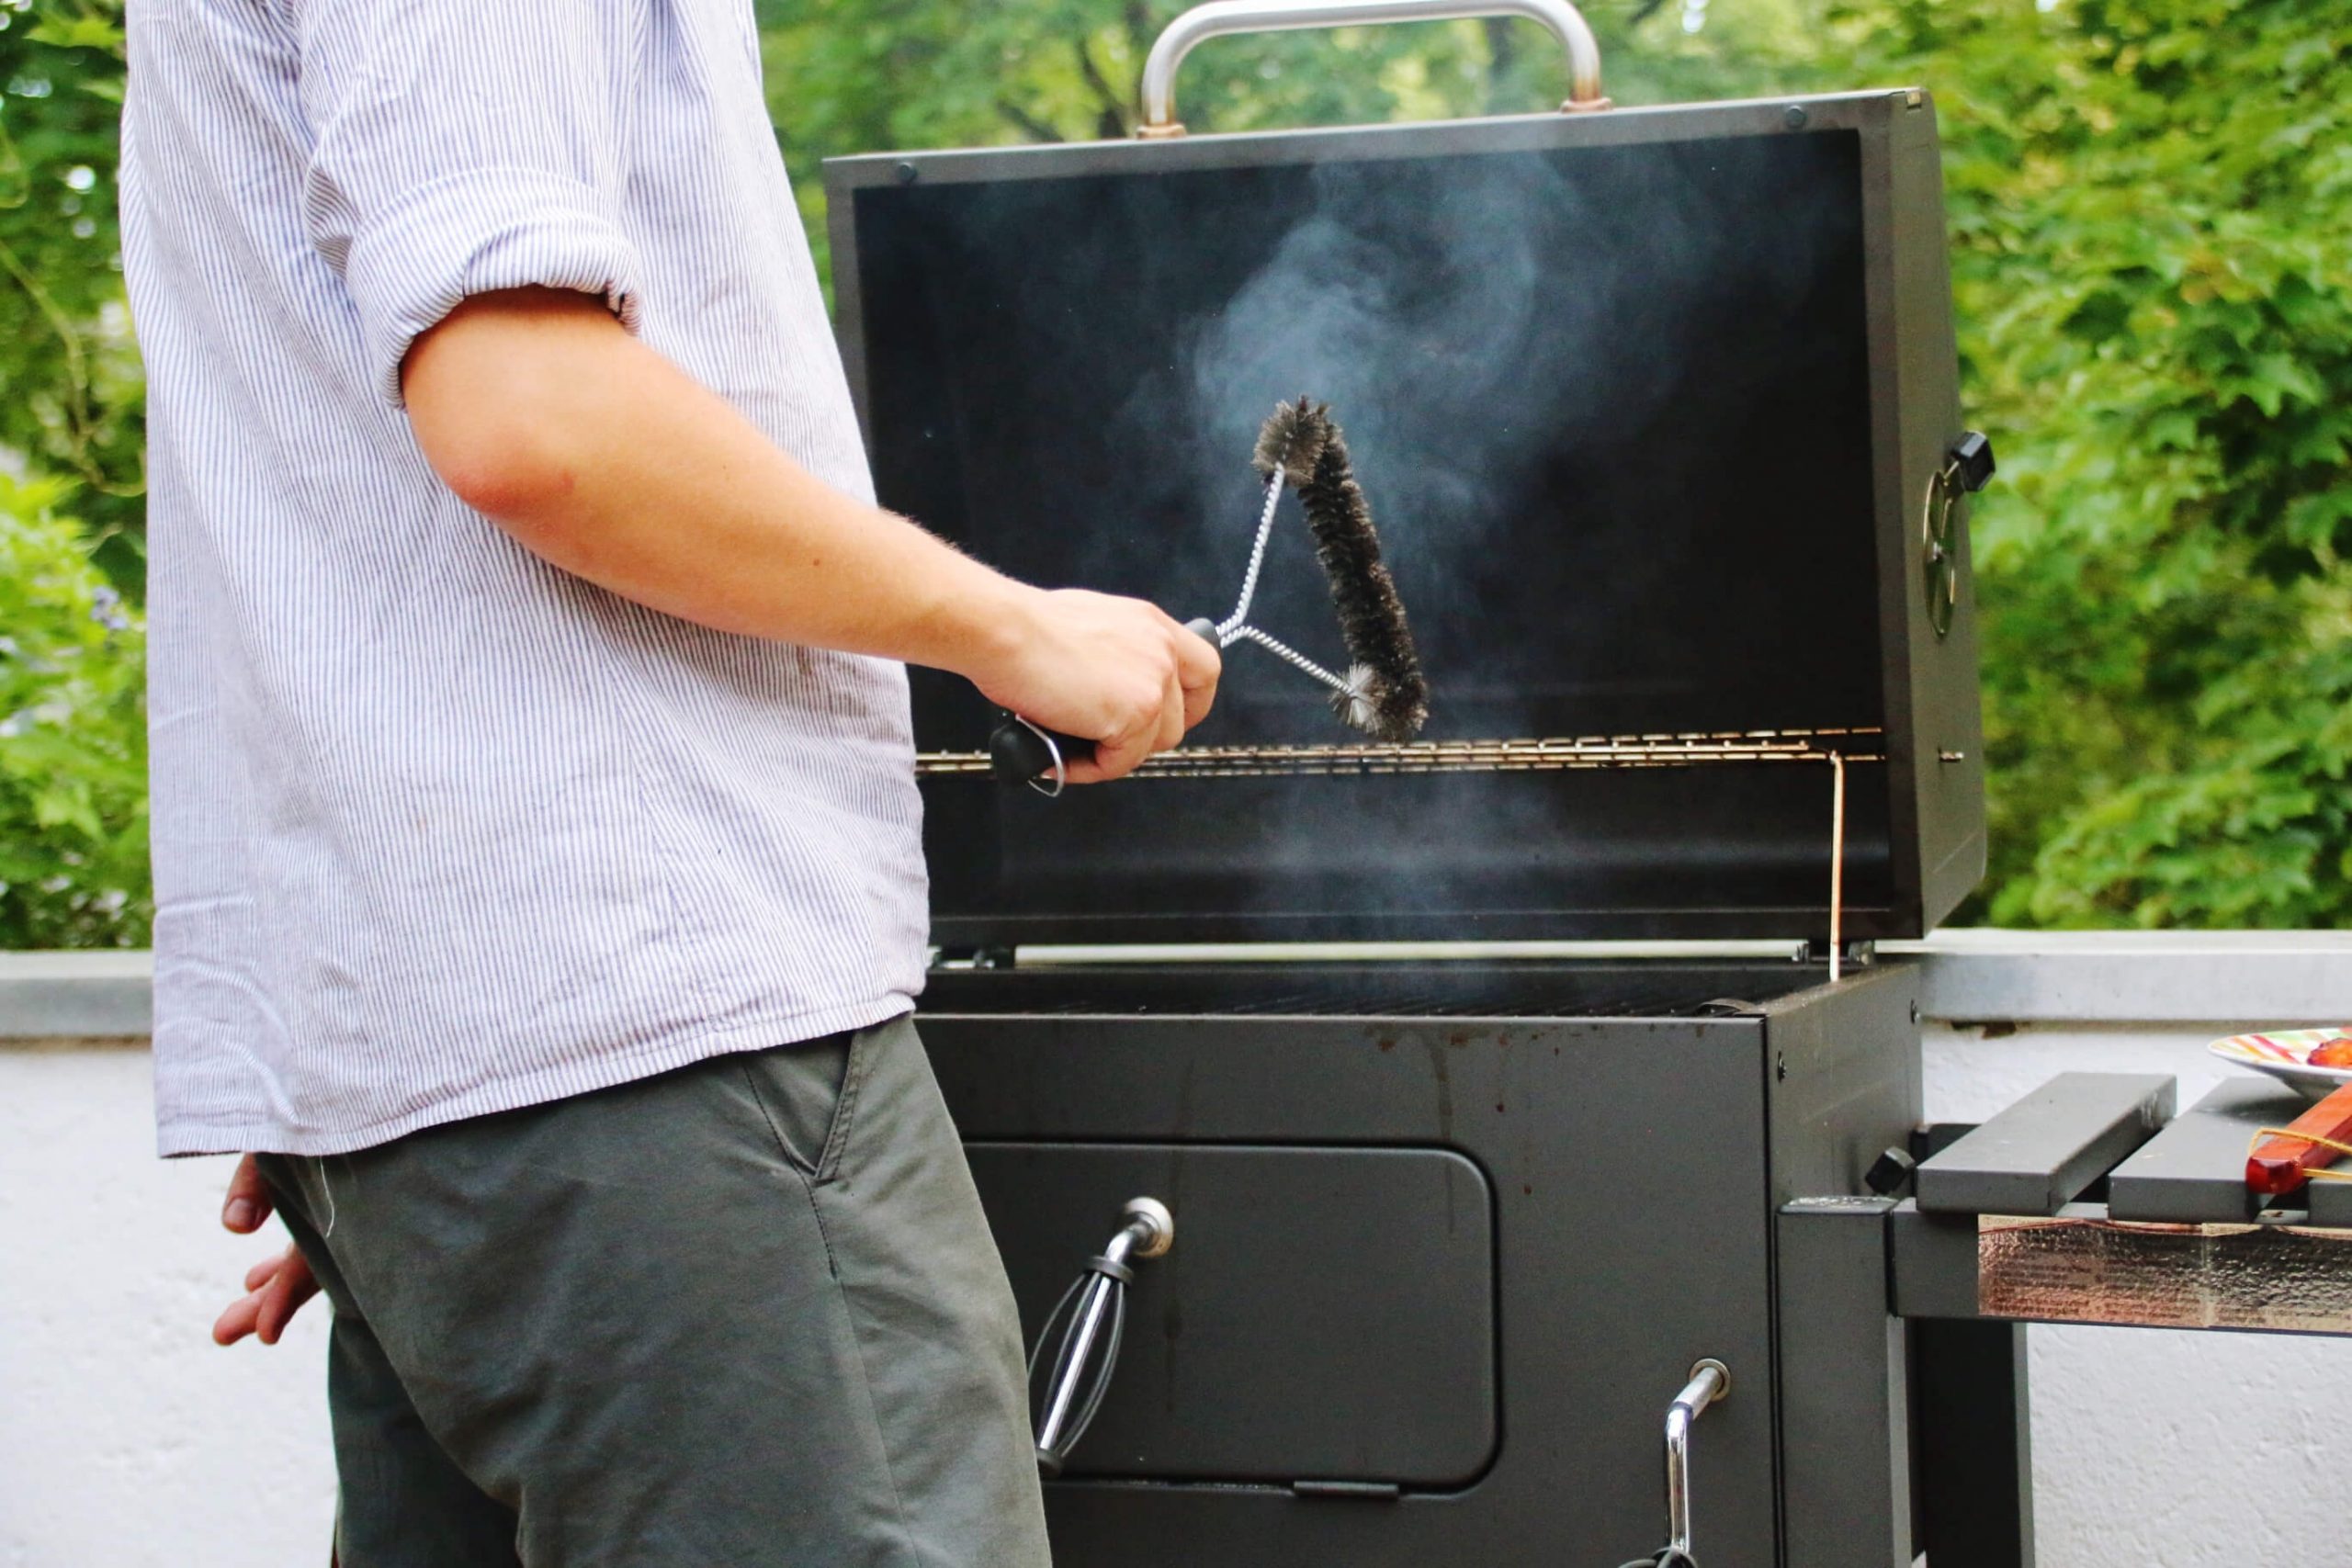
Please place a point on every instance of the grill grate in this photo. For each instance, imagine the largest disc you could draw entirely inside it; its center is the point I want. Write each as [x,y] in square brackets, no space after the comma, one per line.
[1554,755]
[1304,1005]
[1364,993]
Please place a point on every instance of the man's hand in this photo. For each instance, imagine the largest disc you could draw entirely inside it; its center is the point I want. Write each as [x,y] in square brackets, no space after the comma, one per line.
[276,1287]
[1119,673]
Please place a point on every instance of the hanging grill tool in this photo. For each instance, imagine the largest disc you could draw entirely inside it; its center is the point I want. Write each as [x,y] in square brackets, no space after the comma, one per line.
[1382,693]
[1081,1376]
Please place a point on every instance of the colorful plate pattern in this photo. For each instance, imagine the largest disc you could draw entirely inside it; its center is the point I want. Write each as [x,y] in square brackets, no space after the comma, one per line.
[2283,1054]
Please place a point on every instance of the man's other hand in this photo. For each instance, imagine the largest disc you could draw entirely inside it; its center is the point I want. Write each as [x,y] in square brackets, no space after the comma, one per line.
[277,1287]
[1119,673]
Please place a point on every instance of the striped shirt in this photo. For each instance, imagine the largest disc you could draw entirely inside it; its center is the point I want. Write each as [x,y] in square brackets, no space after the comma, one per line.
[438,828]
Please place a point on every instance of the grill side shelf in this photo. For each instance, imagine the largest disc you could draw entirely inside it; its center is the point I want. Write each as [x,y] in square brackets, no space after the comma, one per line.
[2042,1153]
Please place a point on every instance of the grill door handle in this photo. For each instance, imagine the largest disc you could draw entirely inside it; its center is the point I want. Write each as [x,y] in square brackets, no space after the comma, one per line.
[1225,18]
[1089,1352]
[1709,1380]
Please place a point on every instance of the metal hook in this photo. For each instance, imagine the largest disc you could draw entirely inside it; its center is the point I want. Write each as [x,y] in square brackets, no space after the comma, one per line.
[1053,750]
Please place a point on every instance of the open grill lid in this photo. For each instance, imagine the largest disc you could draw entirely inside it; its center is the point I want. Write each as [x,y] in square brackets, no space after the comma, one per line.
[1652,407]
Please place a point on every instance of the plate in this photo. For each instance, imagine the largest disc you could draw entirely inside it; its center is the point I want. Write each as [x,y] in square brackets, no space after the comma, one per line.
[2281,1053]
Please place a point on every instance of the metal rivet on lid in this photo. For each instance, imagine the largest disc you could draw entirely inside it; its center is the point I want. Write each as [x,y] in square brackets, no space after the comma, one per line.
[1795,117]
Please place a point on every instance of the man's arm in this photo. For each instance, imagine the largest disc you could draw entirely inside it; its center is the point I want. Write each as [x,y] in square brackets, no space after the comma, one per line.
[543,413]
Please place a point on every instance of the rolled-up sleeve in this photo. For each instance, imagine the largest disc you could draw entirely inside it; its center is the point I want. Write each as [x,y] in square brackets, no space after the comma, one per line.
[461,146]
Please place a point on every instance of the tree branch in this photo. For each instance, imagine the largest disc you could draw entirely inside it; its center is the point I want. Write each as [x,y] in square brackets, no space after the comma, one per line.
[1502,53]
[1029,125]
[1113,122]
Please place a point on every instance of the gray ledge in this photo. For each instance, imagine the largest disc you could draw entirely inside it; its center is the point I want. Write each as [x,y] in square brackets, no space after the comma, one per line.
[57,996]
[2237,978]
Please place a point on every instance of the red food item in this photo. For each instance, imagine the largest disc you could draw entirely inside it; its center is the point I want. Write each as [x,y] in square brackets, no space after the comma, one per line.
[2281,1164]
[2336,1053]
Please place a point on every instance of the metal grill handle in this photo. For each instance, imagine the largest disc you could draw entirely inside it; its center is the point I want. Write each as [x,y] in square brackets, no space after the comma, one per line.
[1224,18]
[1709,1380]
[1090,1346]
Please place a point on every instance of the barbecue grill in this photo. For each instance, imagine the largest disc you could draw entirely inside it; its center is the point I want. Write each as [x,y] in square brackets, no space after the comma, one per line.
[1477,1251]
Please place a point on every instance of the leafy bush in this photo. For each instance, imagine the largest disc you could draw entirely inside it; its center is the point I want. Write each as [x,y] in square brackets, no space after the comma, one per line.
[74,397]
[73,737]
[2149,208]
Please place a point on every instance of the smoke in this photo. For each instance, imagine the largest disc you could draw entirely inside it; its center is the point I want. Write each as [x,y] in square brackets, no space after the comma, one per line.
[1468,320]
[1409,328]
[1494,334]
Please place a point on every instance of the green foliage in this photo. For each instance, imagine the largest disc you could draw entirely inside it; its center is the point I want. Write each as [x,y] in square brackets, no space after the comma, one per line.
[73,738]
[2149,200]
[71,391]
[2150,203]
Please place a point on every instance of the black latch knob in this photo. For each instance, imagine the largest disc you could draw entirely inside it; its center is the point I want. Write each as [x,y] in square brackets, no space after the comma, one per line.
[1972,460]
[1890,1175]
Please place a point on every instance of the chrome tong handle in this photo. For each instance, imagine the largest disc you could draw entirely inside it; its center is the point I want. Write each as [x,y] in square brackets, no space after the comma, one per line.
[1221,18]
[1072,1395]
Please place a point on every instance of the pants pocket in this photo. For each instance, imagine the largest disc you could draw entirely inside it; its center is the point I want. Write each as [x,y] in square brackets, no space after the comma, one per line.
[809,1094]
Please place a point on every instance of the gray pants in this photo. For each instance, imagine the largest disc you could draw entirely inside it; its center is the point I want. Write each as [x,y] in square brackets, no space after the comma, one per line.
[745,1312]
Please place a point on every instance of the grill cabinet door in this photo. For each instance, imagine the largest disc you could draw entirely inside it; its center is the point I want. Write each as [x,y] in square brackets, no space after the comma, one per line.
[1326,1313]
[1619,1200]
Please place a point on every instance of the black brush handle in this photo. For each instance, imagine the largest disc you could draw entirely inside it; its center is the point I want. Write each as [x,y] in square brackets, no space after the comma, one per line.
[1017,751]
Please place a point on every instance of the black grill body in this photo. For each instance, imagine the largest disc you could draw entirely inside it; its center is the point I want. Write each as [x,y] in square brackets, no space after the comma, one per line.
[1651,405]
[1444,1254]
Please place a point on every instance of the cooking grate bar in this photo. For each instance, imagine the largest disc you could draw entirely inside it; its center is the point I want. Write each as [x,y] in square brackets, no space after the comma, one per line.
[1557,753]
[1373,1002]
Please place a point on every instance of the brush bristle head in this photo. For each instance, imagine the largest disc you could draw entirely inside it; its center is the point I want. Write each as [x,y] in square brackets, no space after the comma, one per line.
[1391,698]
[1384,712]
[1292,440]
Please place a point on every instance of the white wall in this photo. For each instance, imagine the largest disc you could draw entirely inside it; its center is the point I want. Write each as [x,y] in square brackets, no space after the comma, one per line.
[129,1441]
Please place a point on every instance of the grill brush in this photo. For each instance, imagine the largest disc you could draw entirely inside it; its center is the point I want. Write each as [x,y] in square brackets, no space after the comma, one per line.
[1383,692]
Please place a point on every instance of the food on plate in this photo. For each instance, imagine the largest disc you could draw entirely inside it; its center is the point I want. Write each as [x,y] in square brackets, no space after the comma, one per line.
[2336,1053]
